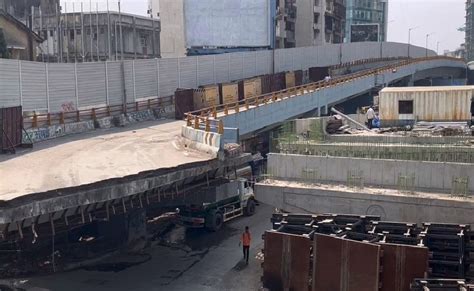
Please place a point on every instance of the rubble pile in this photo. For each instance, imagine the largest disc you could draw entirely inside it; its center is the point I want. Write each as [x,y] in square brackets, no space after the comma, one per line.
[232,150]
[335,125]
[443,128]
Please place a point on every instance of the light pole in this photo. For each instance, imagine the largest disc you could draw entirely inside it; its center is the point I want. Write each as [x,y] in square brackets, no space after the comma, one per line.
[409,38]
[427,37]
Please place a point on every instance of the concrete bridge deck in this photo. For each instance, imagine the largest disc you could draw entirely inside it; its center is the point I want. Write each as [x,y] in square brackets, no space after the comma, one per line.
[263,111]
[87,158]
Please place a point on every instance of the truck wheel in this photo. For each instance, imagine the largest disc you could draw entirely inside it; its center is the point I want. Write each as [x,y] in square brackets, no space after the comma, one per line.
[250,208]
[217,220]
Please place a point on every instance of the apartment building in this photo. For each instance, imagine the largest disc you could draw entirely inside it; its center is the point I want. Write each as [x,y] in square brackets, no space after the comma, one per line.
[366,20]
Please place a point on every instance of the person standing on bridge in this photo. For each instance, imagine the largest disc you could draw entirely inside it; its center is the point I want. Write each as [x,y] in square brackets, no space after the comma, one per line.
[370,117]
[245,241]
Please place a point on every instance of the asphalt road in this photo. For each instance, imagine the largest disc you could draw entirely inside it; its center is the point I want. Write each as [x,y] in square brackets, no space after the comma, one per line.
[207,261]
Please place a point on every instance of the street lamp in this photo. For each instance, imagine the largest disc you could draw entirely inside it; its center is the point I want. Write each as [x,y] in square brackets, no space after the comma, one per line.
[409,38]
[428,36]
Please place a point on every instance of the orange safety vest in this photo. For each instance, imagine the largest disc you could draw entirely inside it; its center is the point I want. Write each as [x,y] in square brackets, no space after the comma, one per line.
[246,239]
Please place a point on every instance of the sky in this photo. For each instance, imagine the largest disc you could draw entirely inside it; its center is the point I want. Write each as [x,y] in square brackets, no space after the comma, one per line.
[440,17]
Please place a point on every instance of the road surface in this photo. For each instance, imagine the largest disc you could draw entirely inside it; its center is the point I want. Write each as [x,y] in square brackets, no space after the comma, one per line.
[210,261]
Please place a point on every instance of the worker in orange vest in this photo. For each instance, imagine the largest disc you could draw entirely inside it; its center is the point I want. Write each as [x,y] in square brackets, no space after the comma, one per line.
[245,240]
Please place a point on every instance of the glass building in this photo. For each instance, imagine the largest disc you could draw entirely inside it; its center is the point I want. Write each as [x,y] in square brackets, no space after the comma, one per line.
[366,14]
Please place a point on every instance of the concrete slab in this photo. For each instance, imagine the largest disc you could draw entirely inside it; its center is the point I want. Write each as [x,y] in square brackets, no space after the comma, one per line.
[87,158]
[390,204]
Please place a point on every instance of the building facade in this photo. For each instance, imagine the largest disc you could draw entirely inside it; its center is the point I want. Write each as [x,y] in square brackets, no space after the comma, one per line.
[310,22]
[154,8]
[22,9]
[100,36]
[21,42]
[469,30]
[285,23]
[363,16]
[207,26]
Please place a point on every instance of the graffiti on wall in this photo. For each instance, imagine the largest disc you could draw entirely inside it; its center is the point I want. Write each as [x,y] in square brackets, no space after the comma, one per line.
[78,127]
[140,116]
[43,133]
[68,107]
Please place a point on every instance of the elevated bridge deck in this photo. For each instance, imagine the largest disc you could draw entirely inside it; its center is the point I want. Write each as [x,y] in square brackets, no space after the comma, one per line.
[256,113]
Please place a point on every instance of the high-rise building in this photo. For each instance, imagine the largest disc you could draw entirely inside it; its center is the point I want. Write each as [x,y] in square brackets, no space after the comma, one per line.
[154,8]
[366,20]
[285,19]
[470,30]
[319,22]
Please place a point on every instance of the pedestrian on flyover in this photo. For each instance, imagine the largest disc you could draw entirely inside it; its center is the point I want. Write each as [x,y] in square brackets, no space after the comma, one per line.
[245,241]
[370,117]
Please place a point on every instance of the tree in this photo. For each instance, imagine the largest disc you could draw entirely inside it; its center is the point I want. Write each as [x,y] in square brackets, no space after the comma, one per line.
[3,46]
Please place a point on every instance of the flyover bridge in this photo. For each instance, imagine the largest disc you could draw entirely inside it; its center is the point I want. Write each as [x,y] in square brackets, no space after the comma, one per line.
[92,176]
[234,120]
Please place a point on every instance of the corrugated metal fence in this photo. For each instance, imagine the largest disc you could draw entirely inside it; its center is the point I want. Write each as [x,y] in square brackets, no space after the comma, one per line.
[51,87]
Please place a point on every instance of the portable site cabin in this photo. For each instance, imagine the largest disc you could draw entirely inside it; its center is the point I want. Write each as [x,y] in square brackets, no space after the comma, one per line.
[405,105]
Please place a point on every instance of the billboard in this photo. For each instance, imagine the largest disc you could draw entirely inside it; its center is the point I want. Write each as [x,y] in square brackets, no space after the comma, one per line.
[227,23]
[365,32]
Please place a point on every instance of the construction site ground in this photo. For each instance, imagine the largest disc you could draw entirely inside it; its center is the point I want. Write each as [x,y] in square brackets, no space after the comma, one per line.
[205,261]
[95,156]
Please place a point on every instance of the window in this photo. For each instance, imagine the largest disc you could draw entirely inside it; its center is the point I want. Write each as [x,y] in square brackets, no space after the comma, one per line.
[102,30]
[316,18]
[405,107]
[143,40]
[51,32]
[78,31]
[71,34]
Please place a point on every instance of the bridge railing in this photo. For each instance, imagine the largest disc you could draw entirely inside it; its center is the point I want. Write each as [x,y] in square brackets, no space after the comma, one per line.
[208,118]
[47,119]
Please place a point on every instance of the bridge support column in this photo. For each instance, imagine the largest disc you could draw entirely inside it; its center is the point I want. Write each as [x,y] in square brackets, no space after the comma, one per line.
[411,81]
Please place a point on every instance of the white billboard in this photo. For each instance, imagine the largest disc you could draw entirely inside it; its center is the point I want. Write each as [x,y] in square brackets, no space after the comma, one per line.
[227,23]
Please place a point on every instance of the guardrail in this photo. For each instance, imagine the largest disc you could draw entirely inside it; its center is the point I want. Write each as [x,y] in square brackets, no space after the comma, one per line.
[208,118]
[366,61]
[48,119]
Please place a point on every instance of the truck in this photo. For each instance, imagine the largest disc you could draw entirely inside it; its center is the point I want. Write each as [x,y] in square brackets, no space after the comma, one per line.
[223,200]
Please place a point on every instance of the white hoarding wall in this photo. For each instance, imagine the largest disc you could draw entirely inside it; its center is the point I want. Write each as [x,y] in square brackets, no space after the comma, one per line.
[44,87]
[227,23]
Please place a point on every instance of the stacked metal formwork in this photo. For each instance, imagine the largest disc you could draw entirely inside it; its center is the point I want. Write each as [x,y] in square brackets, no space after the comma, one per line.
[447,242]
[440,285]
[324,248]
